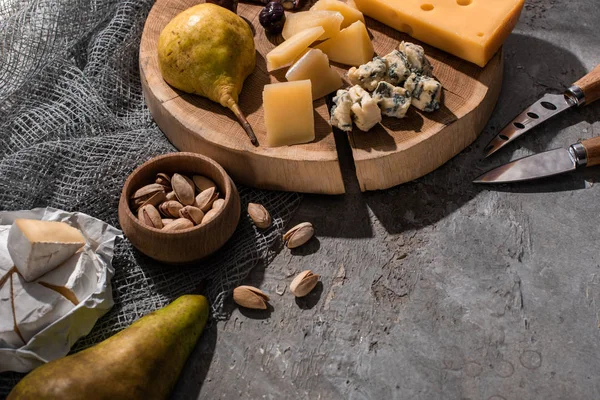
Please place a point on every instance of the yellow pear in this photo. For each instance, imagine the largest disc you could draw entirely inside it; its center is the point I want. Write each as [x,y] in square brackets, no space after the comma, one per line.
[141,362]
[209,50]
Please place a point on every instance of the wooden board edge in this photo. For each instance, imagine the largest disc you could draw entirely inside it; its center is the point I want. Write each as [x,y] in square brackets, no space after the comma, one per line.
[468,128]
[248,168]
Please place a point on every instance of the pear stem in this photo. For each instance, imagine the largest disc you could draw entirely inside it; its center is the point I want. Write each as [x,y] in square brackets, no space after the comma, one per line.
[242,119]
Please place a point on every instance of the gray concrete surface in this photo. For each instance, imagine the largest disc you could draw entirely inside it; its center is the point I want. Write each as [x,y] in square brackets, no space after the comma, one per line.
[441,289]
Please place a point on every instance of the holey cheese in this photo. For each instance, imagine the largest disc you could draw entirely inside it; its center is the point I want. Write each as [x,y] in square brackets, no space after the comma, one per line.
[36,247]
[470,29]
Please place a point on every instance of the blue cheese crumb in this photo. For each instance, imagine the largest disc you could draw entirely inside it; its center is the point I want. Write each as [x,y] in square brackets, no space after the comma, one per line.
[368,75]
[416,58]
[398,67]
[393,101]
[365,112]
[425,92]
[341,111]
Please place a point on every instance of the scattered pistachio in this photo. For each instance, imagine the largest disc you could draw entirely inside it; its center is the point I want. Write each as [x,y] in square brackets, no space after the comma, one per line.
[250,297]
[178,224]
[202,183]
[192,213]
[206,198]
[218,203]
[148,215]
[259,215]
[183,188]
[298,235]
[304,283]
[170,208]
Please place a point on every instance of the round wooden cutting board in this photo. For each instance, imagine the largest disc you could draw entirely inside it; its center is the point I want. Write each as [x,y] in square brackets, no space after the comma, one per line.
[393,152]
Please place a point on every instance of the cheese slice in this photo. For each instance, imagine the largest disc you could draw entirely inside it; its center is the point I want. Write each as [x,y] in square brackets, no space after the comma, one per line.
[470,29]
[287,52]
[75,279]
[330,21]
[352,46]
[37,247]
[9,338]
[36,306]
[350,13]
[314,65]
[289,115]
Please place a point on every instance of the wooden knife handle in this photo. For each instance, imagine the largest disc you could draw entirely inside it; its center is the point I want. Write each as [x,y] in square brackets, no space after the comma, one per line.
[592,148]
[590,85]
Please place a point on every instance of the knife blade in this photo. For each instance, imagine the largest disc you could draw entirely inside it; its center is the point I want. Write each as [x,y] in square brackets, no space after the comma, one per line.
[585,91]
[548,163]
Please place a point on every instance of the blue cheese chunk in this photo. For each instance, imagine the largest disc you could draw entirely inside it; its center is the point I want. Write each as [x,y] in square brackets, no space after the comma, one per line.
[368,75]
[365,112]
[425,92]
[398,67]
[341,111]
[416,58]
[393,101]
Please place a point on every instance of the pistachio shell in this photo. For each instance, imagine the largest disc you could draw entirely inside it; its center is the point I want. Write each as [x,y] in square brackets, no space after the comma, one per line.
[147,191]
[202,182]
[155,199]
[298,235]
[166,221]
[210,214]
[250,297]
[183,188]
[164,180]
[218,203]
[178,224]
[148,215]
[259,215]
[192,213]
[170,208]
[304,283]
[171,196]
[206,198]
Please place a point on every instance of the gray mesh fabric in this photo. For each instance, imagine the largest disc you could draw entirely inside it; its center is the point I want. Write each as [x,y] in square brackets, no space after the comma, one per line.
[73,125]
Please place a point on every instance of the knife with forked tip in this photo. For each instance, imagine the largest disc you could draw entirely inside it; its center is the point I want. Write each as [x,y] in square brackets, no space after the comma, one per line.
[548,163]
[585,91]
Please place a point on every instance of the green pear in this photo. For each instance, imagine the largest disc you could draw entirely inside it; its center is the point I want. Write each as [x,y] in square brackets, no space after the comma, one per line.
[209,50]
[142,361]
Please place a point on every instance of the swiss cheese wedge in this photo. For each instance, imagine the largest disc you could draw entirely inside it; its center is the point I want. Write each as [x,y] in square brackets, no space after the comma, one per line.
[470,29]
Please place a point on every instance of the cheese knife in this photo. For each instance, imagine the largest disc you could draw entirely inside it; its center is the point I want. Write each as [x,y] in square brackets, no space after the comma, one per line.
[585,91]
[548,163]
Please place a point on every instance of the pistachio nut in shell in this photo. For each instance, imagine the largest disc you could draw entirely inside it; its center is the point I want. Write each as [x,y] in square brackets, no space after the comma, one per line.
[250,297]
[206,198]
[166,221]
[183,188]
[192,213]
[149,216]
[298,235]
[147,191]
[304,283]
[170,208]
[156,199]
[164,180]
[177,225]
[218,203]
[210,215]
[202,182]
[259,215]
[171,196]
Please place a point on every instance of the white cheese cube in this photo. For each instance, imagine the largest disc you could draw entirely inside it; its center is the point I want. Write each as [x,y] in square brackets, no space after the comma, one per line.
[9,338]
[341,113]
[393,101]
[425,92]
[36,306]
[37,247]
[368,75]
[75,279]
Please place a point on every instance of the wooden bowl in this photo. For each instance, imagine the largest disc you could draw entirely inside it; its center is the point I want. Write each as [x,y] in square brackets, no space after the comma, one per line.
[188,244]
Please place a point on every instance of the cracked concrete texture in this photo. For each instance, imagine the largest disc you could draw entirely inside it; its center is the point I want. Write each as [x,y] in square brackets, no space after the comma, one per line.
[441,289]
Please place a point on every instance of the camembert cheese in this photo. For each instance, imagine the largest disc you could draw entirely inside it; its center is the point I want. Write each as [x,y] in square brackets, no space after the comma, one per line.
[470,29]
[289,115]
[37,247]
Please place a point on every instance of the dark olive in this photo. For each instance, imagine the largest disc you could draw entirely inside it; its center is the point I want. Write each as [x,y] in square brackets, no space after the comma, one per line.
[272,17]
[231,5]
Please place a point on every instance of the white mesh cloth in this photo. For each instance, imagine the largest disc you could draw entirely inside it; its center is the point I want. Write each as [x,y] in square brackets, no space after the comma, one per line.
[73,125]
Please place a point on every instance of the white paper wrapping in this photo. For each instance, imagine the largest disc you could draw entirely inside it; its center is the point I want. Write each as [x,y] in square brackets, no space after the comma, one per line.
[56,340]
